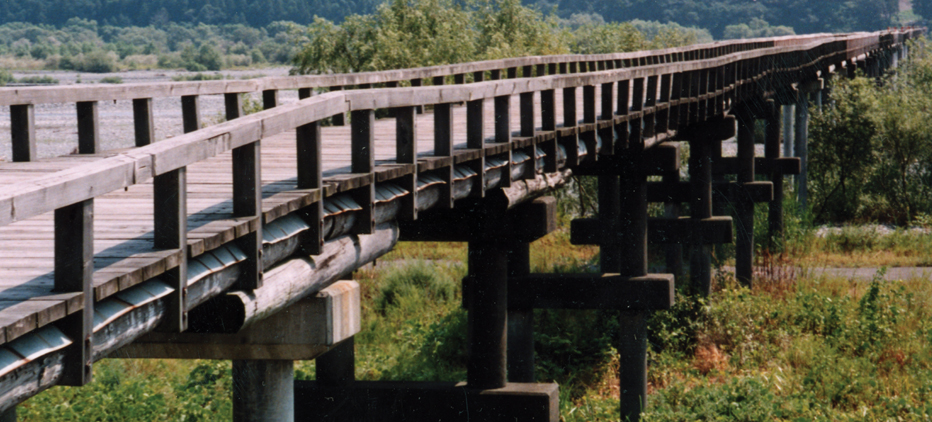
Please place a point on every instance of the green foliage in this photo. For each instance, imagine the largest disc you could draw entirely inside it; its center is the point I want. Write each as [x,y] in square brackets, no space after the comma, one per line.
[757,28]
[111,80]
[417,282]
[5,77]
[871,149]
[199,77]
[43,80]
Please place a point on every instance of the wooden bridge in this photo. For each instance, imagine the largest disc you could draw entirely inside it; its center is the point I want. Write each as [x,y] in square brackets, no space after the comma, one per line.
[231,241]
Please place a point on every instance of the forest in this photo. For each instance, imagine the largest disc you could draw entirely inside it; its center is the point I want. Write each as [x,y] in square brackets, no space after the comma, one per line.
[715,15]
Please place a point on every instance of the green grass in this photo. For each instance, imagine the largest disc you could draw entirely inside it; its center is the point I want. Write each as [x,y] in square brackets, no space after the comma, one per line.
[791,349]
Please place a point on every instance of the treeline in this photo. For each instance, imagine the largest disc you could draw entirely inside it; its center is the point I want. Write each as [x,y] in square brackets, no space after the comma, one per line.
[870,151]
[412,33]
[84,45]
[803,16]
[256,13]
[715,15]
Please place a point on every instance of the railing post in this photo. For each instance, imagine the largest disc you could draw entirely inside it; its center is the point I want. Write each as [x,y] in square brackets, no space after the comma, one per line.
[74,273]
[406,153]
[88,128]
[443,147]
[362,145]
[744,239]
[503,132]
[191,113]
[269,99]
[771,153]
[23,132]
[247,198]
[338,119]
[607,94]
[171,232]
[142,121]
[310,176]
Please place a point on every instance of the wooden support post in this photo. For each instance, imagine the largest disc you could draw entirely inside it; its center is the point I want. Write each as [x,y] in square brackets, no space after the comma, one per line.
[569,107]
[772,152]
[247,197]
[171,232]
[269,99]
[487,318]
[23,132]
[589,104]
[744,240]
[607,134]
[520,321]
[632,222]
[338,119]
[700,177]
[527,114]
[503,132]
[801,142]
[310,176]
[74,273]
[9,415]
[406,153]
[548,122]
[362,140]
[190,113]
[475,139]
[671,209]
[789,129]
[416,83]
[263,391]
[143,124]
[650,122]
[88,128]
[443,147]
[609,217]
[337,368]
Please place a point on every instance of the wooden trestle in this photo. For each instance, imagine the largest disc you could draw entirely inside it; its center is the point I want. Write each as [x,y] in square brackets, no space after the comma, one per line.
[229,242]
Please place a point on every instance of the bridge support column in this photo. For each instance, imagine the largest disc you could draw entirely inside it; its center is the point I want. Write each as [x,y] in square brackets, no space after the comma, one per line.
[744,241]
[520,321]
[772,152]
[805,93]
[263,391]
[487,318]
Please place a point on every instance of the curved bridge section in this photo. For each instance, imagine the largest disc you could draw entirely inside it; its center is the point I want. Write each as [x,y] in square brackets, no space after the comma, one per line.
[230,241]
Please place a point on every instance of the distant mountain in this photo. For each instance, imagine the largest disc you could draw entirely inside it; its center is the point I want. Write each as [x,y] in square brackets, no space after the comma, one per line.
[258,13]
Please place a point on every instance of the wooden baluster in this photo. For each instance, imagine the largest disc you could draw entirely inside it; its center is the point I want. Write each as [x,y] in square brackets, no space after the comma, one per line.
[171,232]
[362,141]
[338,119]
[310,176]
[512,72]
[503,132]
[88,128]
[475,138]
[650,124]
[142,121]
[443,147]
[663,116]
[190,113]
[23,132]
[269,99]
[548,122]
[570,141]
[74,273]
[527,130]
[608,113]
[406,153]
[247,198]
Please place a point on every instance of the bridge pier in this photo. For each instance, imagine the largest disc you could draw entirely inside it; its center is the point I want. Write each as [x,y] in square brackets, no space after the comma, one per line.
[744,206]
[263,391]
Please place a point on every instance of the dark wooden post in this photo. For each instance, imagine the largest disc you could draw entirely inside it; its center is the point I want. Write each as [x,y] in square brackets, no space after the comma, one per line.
[406,153]
[191,113]
[744,239]
[700,179]
[88,128]
[337,367]
[487,318]
[338,119]
[527,114]
[802,148]
[310,176]
[632,223]
[520,321]
[771,153]
[23,132]
[142,121]
[269,99]
[74,273]
[362,142]
[247,198]
[607,134]
[503,132]
[443,147]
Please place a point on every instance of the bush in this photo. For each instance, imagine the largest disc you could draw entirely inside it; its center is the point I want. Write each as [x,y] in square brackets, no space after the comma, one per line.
[414,283]
[111,80]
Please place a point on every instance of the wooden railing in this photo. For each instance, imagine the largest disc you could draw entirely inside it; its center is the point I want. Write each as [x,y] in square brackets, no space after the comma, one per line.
[646,97]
